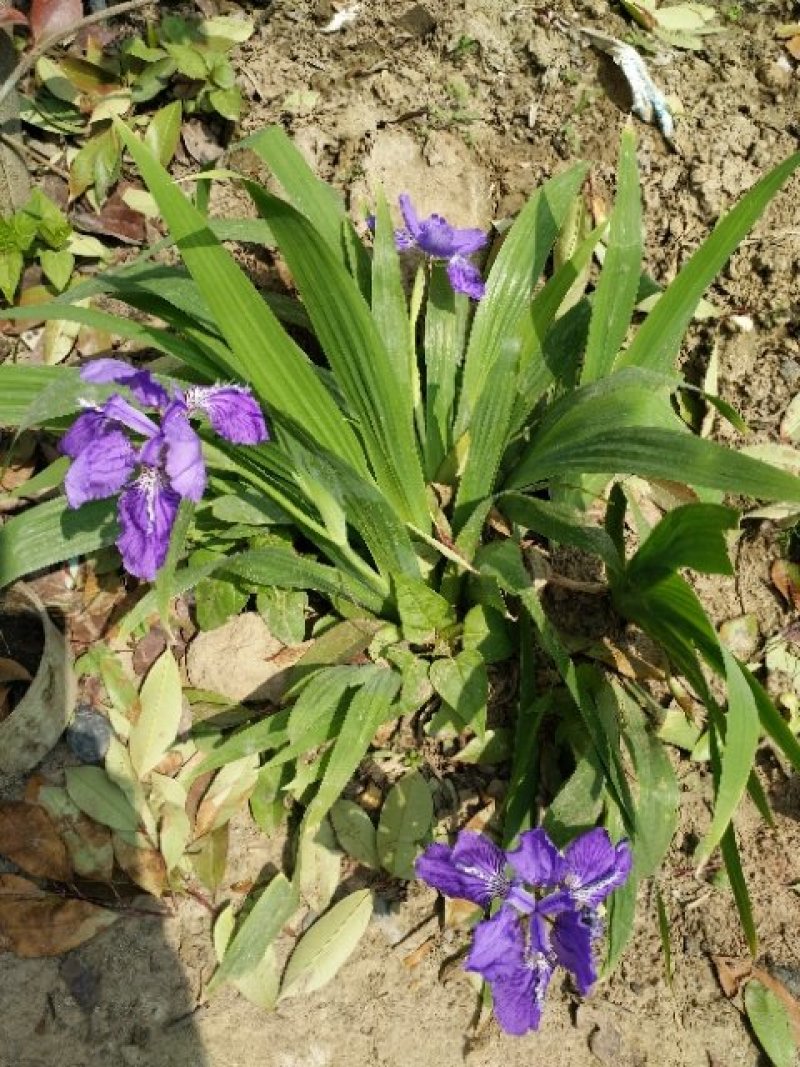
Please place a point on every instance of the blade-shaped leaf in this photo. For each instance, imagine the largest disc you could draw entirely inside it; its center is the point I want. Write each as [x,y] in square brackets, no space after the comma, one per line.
[53,532]
[356,352]
[615,295]
[658,339]
[511,279]
[265,355]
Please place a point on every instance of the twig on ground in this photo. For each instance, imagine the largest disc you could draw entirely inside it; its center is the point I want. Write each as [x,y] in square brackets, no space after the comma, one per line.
[42,158]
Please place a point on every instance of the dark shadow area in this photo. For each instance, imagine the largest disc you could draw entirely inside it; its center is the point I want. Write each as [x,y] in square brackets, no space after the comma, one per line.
[124,996]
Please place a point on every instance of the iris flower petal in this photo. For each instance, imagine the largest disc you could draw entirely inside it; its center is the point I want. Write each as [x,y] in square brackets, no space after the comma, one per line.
[101,469]
[498,946]
[232,411]
[147,512]
[86,428]
[536,859]
[141,382]
[472,870]
[465,277]
[572,941]
[183,453]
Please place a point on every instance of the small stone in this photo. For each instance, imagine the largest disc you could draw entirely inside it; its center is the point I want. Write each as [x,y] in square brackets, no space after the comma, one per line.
[774,75]
[605,1043]
[241,660]
[89,734]
[417,21]
[83,984]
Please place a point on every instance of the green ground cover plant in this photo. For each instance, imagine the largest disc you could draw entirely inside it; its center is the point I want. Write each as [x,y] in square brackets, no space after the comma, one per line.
[427,445]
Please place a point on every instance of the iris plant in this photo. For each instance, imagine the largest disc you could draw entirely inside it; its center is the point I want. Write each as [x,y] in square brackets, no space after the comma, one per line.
[546,911]
[117,447]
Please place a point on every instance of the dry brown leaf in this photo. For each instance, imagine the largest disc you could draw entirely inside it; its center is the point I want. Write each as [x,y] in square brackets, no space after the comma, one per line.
[143,864]
[415,958]
[35,924]
[115,219]
[11,671]
[793,47]
[732,973]
[459,913]
[29,839]
[88,843]
[54,17]
[786,578]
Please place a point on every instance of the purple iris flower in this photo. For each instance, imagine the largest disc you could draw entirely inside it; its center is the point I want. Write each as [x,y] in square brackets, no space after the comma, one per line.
[154,474]
[437,238]
[548,912]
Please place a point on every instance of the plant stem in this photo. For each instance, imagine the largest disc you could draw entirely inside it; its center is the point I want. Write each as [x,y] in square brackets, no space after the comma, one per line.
[28,60]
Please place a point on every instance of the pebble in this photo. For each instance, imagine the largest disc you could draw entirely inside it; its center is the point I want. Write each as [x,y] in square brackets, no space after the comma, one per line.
[89,734]
[774,75]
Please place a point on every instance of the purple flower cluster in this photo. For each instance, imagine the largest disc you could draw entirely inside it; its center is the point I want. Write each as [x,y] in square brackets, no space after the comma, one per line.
[160,470]
[548,912]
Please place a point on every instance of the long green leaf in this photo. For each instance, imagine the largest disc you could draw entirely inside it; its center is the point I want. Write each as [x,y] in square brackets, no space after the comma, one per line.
[357,354]
[53,532]
[446,314]
[389,307]
[655,452]
[274,907]
[488,433]
[657,341]
[369,708]
[615,295]
[317,200]
[266,357]
[508,288]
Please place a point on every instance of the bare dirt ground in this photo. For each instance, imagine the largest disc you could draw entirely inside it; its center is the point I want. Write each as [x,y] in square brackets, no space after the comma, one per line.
[469,105]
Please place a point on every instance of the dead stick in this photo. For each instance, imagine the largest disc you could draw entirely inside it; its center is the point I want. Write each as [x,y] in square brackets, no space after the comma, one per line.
[29,59]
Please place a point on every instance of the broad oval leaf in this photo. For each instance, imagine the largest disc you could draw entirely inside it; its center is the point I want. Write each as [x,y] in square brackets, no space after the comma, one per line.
[327,945]
[406,817]
[770,1020]
[93,792]
[355,832]
[157,725]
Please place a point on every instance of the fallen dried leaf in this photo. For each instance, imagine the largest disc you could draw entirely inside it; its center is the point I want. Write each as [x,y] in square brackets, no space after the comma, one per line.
[88,843]
[53,16]
[29,839]
[415,958]
[35,924]
[793,47]
[786,578]
[732,973]
[116,219]
[143,864]
[11,671]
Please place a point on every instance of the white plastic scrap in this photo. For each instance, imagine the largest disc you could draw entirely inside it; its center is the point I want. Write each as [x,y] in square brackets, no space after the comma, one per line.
[649,103]
[342,18]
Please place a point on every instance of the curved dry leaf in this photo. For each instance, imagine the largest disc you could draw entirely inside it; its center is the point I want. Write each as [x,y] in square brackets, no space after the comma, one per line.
[35,924]
[143,864]
[11,671]
[53,17]
[29,839]
[229,792]
[36,723]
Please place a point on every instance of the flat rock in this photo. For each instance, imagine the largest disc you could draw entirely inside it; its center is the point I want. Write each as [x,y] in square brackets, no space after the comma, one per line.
[241,660]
